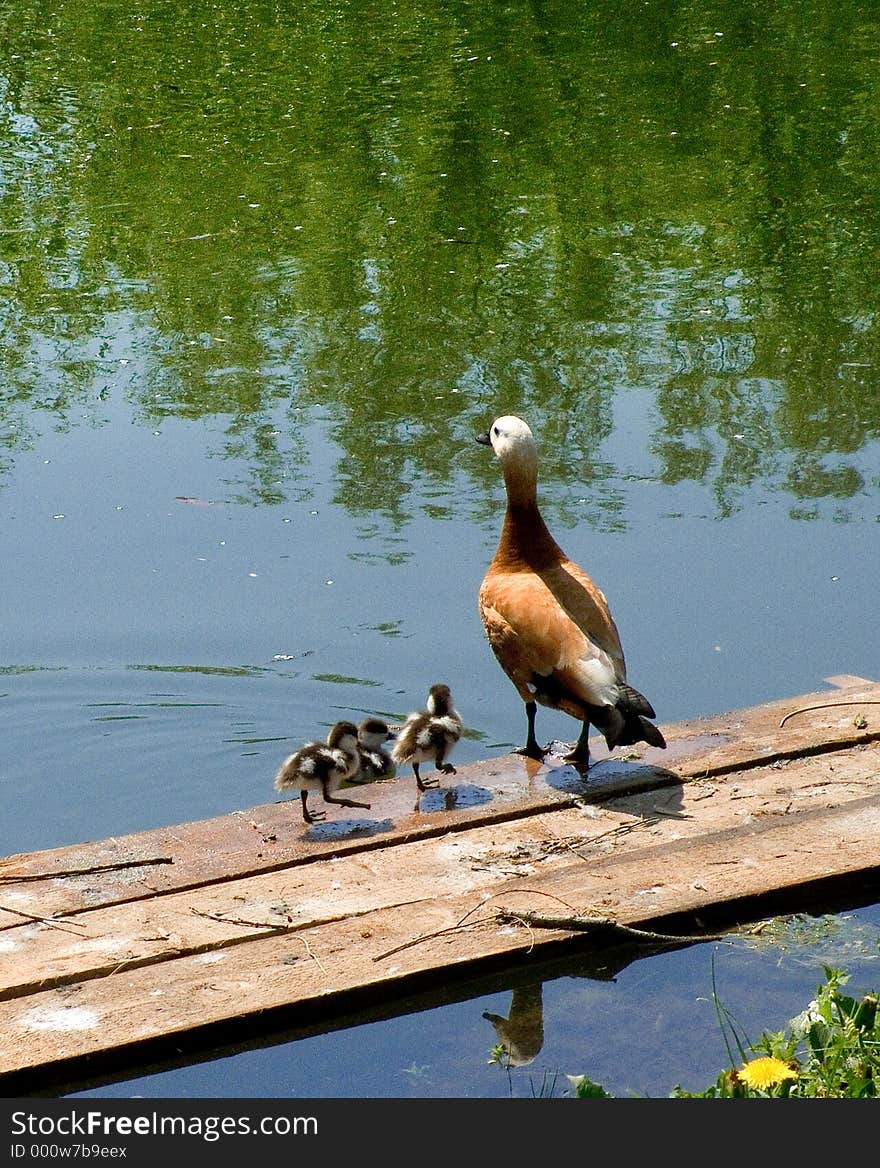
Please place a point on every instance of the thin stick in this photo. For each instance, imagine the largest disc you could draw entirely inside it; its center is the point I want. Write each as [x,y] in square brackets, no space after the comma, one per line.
[461,923]
[311,954]
[42,920]
[828,706]
[227,920]
[427,937]
[583,923]
[280,928]
[24,878]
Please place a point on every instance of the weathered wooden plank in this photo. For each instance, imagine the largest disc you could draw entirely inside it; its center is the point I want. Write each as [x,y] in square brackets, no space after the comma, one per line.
[96,942]
[272,835]
[252,916]
[329,965]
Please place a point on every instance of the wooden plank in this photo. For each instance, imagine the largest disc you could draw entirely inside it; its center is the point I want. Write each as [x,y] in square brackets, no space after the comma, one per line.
[271,836]
[180,970]
[98,941]
[252,924]
[329,965]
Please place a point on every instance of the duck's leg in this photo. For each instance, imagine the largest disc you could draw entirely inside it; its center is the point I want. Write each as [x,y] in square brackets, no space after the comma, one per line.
[423,784]
[445,768]
[531,748]
[310,816]
[580,756]
[328,798]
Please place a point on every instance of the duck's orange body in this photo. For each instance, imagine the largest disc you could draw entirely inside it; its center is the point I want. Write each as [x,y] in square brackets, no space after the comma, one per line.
[547,623]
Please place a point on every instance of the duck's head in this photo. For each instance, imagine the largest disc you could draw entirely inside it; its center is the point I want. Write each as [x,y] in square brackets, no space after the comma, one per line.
[439,700]
[515,448]
[343,735]
[373,733]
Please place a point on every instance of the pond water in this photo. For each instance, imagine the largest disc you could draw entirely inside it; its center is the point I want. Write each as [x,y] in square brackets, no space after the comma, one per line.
[267,269]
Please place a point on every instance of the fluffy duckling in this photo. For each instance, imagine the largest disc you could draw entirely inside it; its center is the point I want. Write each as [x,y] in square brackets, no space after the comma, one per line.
[324,767]
[547,622]
[430,734]
[375,761]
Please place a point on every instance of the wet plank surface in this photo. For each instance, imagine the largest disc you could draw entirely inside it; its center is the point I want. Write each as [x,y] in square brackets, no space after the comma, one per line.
[111,951]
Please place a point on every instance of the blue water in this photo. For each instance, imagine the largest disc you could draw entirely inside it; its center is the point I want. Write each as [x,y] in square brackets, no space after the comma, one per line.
[262,285]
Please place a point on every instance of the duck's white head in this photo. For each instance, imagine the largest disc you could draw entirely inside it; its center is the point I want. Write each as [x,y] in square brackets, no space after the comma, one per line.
[508,435]
[515,448]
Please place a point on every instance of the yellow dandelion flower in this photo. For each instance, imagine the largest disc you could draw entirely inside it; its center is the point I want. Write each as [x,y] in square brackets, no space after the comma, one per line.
[766,1072]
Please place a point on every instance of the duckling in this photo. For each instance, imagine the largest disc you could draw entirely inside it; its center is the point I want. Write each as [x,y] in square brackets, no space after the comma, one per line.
[324,767]
[430,734]
[375,761]
[546,621]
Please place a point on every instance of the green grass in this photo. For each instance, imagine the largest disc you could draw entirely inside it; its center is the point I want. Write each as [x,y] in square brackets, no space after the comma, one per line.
[829,1051]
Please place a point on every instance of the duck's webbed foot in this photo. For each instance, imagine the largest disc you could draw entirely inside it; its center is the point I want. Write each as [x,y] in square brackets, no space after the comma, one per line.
[532,750]
[424,784]
[579,756]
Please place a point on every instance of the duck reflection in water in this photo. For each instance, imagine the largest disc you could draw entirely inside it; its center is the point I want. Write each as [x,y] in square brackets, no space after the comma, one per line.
[521,1033]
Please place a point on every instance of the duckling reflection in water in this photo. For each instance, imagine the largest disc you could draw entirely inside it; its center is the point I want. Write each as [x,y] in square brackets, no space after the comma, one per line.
[324,767]
[429,735]
[374,760]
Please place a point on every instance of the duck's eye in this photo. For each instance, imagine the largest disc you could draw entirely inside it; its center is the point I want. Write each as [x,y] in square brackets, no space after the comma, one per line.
[496,431]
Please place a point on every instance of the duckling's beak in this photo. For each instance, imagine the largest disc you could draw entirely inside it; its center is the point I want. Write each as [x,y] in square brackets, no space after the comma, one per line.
[484,439]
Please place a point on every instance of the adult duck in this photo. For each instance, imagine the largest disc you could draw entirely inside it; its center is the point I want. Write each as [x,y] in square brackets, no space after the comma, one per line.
[547,623]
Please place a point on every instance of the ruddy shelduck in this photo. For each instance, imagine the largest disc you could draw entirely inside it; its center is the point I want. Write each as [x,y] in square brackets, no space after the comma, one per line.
[547,623]
[429,735]
[324,767]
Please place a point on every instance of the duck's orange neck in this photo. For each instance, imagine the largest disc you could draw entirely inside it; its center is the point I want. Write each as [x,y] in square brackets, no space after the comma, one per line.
[525,540]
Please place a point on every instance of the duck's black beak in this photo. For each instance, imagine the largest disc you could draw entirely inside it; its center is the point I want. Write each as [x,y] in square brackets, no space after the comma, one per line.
[484,439]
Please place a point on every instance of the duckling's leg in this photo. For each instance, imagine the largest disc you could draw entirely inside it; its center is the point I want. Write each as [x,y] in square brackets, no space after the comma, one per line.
[580,756]
[328,798]
[423,784]
[310,816]
[445,768]
[531,748]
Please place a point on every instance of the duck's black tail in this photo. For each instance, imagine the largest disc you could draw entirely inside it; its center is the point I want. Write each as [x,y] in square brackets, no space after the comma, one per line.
[627,722]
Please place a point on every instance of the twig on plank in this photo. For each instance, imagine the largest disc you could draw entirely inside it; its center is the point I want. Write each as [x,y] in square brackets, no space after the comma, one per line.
[464,923]
[279,928]
[297,937]
[72,927]
[828,706]
[582,923]
[30,876]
